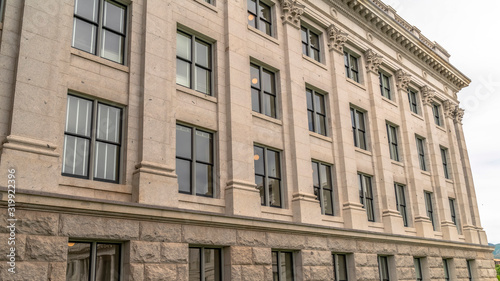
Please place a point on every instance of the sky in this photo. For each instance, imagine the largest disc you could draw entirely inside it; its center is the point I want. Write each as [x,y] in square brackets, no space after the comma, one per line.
[469,32]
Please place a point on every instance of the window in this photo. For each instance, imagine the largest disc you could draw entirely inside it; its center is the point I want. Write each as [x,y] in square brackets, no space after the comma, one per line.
[205,264]
[80,139]
[99,28]
[385,86]
[446,270]
[322,182]
[428,206]
[259,16]
[282,263]
[210,2]
[418,269]
[194,63]
[436,111]
[194,163]
[452,211]
[392,137]
[316,112]
[383,267]
[358,128]
[2,3]
[268,175]
[469,270]
[351,66]
[444,157]
[421,153]
[340,267]
[366,195]
[93,261]
[263,90]
[401,202]
[412,98]
[310,43]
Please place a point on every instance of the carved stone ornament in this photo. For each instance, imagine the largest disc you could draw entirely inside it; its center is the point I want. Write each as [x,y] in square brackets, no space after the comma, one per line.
[458,115]
[427,95]
[291,12]
[402,79]
[373,61]
[336,38]
[449,109]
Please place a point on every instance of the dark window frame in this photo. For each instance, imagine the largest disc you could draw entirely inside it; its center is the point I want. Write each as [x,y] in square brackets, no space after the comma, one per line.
[366,195]
[93,256]
[421,152]
[280,263]
[429,208]
[444,158]
[351,64]
[359,132]
[307,46]
[400,191]
[319,189]
[337,268]
[315,113]
[383,266]
[392,138]
[259,86]
[202,257]
[418,269]
[258,16]
[413,100]
[267,176]
[469,270]
[446,267]
[385,85]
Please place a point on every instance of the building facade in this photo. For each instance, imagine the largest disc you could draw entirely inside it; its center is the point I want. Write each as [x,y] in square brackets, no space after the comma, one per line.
[231,140]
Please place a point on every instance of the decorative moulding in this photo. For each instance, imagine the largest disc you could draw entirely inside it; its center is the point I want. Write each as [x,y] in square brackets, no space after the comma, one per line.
[373,61]
[402,79]
[291,12]
[336,38]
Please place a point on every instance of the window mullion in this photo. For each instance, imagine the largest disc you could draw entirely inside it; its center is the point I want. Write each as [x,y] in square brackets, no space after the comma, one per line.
[266,178]
[193,62]
[261,91]
[193,161]
[93,136]
[100,13]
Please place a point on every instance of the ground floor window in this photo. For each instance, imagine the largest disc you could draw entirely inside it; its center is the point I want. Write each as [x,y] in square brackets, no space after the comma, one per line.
[205,264]
[93,261]
[282,266]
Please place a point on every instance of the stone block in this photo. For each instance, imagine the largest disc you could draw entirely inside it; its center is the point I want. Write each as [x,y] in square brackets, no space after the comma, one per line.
[250,238]
[57,271]
[365,247]
[46,248]
[316,243]
[286,241]
[318,273]
[262,256]
[157,272]
[145,252]
[341,245]
[208,235]
[25,271]
[385,248]
[404,261]
[20,246]
[182,272]
[97,227]
[38,223]
[252,272]
[160,232]
[174,252]
[316,258]
[236,273]
[367,273]
[135,272]
[241,255]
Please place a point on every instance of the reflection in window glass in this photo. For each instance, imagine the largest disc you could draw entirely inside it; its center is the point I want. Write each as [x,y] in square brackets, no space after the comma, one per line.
[267,165]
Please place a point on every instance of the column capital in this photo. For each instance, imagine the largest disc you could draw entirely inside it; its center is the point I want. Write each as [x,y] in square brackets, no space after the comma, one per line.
[427,95]
[402,79]
[336,38]
[449,109]
[291,12]
[458,114]
[373,61]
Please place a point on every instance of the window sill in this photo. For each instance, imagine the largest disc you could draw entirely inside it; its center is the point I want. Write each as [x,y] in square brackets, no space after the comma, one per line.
[417,116]
[376,225]
[99,60]
[209,6]
[397,163]
[267,118]
[276,211]
[321,137]
[391,102]
[449,181]
[90,184]
[263,35]
[362,151]
[210,201]
[411,230]
[355,83]
[441,128]
[195,93]
[327,218]
[315,62]
[425,173]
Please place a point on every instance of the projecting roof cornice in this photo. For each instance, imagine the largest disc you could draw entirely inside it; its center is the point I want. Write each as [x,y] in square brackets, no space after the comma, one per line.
[384,19]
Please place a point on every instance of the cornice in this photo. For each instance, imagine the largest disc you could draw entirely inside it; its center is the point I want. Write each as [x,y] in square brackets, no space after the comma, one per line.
[384,19]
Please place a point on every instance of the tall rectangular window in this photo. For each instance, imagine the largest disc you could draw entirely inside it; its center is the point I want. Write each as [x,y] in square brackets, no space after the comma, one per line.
[93,261]
[316,113]
[263,89]
[421,153]
[446,269]
[444,158]
[358,128]
[392,137]
[418,268]
[351,66]
[340,267]
[194,161]
[452,211]
[436,111]
[310,43]
[385,86]
[383,267]
[366,195]
[259,16]
[412,98]
[268,175]
[283,268]
[99,28]
[322,182]
[401,202]
[205,264]
[80,139]
[194,63]
[429,208]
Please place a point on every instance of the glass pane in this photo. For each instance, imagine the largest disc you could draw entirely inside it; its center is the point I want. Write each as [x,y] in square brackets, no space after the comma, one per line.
[362,140]
[87,9]
[354,63]
[303,35]
[204,146]
[202,83]
[112,46]
[203,54]
[265,11]
[314,40]
[286,267]
[78,116]
[183,76]
[114,16]
[265,27]
[194,264]
[305,49]
[258,158]
[315,174]
[310,119]
[107,265]
[252,21]
[274,193]
[383,265]
[254,76]
[212,265]
[270,105]
[273,162]
[309,99]
[275,266]
[268,81]
[342,267]
[183,141]
[255,100]
[319,103]
[184,46]
[76,155]
[183,171]
[326,177]
[369,208]
[106,161]
[204,180]
[78,262]
[252,6]
[84,35]
[360,120]
[327,201]
[108,123]
[315,54]
[320,124]
[259,181]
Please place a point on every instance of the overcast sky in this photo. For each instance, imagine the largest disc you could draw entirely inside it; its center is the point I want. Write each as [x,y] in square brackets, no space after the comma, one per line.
[469,32]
